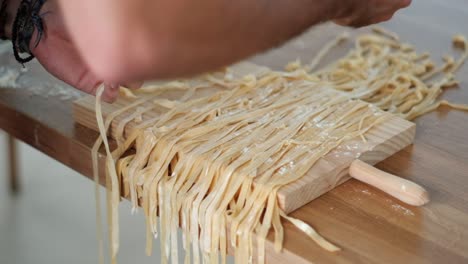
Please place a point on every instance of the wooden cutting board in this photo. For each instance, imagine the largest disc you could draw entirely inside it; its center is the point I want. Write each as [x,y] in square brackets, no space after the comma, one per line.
[382,141]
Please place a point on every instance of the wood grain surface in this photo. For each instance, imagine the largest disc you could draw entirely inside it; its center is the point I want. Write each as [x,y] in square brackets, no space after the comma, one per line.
[370,226]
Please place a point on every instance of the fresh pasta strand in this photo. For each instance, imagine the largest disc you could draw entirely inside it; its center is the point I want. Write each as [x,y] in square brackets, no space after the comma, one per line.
[214,134]
[99,232]
[213,165]
[325,50]
[391,75]
[110,166]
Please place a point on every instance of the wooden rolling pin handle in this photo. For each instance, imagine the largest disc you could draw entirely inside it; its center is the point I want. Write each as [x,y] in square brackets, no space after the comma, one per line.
[404,190]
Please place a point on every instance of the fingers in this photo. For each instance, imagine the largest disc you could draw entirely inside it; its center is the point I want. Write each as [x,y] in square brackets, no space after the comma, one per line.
[405,3]
[133,85]
[65,65]
[387,14]
[372,12]
[61,59]
[383,18]
[110,93]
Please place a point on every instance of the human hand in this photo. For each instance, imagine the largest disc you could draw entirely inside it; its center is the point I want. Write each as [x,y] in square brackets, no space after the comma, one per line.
[58,55]
[359,13]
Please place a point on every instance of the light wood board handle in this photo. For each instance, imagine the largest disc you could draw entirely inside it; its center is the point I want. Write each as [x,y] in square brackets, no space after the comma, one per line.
[404,190]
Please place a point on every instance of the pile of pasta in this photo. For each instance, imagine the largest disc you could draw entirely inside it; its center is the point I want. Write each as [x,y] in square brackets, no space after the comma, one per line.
[389,74]
[212,165]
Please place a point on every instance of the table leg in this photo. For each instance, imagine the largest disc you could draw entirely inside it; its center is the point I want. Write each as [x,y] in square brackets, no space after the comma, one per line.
[13,164]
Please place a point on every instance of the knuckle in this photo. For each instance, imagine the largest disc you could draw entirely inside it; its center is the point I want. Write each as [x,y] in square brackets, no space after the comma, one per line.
[405,3]
[384,18]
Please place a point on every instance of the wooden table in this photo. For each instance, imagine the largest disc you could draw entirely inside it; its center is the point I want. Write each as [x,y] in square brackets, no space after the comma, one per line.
[370,226]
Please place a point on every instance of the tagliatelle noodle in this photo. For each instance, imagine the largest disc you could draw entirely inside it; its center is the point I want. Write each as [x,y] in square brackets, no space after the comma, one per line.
[194,133]
[213,165]
[392,76]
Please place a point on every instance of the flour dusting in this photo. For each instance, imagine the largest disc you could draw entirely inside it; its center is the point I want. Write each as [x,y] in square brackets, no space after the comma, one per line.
[402,209]
[5,46]
[8,77]
[20,78]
